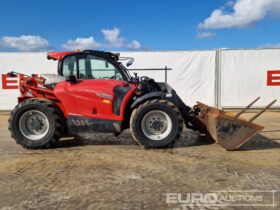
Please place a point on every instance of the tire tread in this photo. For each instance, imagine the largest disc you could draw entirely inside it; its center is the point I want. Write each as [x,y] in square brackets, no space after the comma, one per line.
[51,107]
[138,109]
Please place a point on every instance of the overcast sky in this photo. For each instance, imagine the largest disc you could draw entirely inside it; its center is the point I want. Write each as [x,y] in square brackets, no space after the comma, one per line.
[34,25]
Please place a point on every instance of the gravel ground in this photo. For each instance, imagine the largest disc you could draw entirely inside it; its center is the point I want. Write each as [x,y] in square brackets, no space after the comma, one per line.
[104,172]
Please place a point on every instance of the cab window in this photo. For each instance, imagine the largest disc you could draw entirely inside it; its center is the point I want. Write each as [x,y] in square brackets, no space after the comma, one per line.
[90,67]
[69,66]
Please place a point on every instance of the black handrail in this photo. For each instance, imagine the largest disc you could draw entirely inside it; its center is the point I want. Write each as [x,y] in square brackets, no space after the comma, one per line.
[165,69]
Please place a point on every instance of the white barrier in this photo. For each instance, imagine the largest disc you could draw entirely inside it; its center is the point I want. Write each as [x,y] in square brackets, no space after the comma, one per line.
[244,77]
[224,78]
[192,74]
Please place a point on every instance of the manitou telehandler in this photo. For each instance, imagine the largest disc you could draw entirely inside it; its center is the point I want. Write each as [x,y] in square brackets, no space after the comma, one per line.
[94,92]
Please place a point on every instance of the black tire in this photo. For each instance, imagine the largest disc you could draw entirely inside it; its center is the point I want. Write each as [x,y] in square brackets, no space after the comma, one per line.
[54,116]
[165,106]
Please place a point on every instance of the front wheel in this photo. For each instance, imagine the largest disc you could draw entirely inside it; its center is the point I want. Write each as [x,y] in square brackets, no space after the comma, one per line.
[156,124]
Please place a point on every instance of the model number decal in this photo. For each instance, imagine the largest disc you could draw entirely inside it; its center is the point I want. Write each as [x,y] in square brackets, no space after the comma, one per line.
[104,95]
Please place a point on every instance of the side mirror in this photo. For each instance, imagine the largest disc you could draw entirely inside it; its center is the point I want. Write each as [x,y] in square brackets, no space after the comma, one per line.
[71,79]
[130,62]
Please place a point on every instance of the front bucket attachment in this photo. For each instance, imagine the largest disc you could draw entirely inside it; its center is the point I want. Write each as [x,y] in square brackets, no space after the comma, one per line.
[228,129]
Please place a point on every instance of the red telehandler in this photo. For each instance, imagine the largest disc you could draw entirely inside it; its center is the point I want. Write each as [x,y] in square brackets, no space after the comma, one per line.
[94,92]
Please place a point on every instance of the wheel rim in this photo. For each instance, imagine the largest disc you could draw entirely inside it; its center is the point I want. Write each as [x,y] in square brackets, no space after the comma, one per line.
[34,125]
[156,125]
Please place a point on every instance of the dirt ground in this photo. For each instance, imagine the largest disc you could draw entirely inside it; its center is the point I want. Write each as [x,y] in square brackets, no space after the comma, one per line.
[104,172]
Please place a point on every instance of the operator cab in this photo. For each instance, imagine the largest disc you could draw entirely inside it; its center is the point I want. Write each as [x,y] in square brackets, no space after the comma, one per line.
[86,66]
[90,64]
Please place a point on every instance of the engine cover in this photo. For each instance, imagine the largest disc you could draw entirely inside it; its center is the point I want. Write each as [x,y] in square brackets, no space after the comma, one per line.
[50,80]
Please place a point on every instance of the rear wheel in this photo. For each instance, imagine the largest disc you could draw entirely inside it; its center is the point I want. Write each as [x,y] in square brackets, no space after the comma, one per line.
[156,124]
[36,123]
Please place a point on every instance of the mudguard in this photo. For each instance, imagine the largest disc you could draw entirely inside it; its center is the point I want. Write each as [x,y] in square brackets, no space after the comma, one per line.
[173,97]
[148,96]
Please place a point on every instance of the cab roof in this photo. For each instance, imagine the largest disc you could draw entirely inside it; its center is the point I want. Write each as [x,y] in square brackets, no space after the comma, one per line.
[60,55]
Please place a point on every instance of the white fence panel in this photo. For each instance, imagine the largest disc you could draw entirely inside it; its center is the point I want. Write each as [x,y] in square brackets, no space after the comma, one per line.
[192,74]
[244,77]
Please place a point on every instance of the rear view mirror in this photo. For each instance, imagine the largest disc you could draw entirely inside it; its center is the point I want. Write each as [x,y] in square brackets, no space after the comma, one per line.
[130,62]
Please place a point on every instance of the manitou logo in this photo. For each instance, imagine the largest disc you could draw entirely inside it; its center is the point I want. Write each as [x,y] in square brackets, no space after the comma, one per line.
[273,78]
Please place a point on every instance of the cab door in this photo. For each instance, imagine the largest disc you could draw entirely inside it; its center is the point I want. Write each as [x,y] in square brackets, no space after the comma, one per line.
[99,92]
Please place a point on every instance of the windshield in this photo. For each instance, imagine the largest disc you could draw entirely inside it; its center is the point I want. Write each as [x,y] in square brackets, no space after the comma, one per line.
[86,66]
